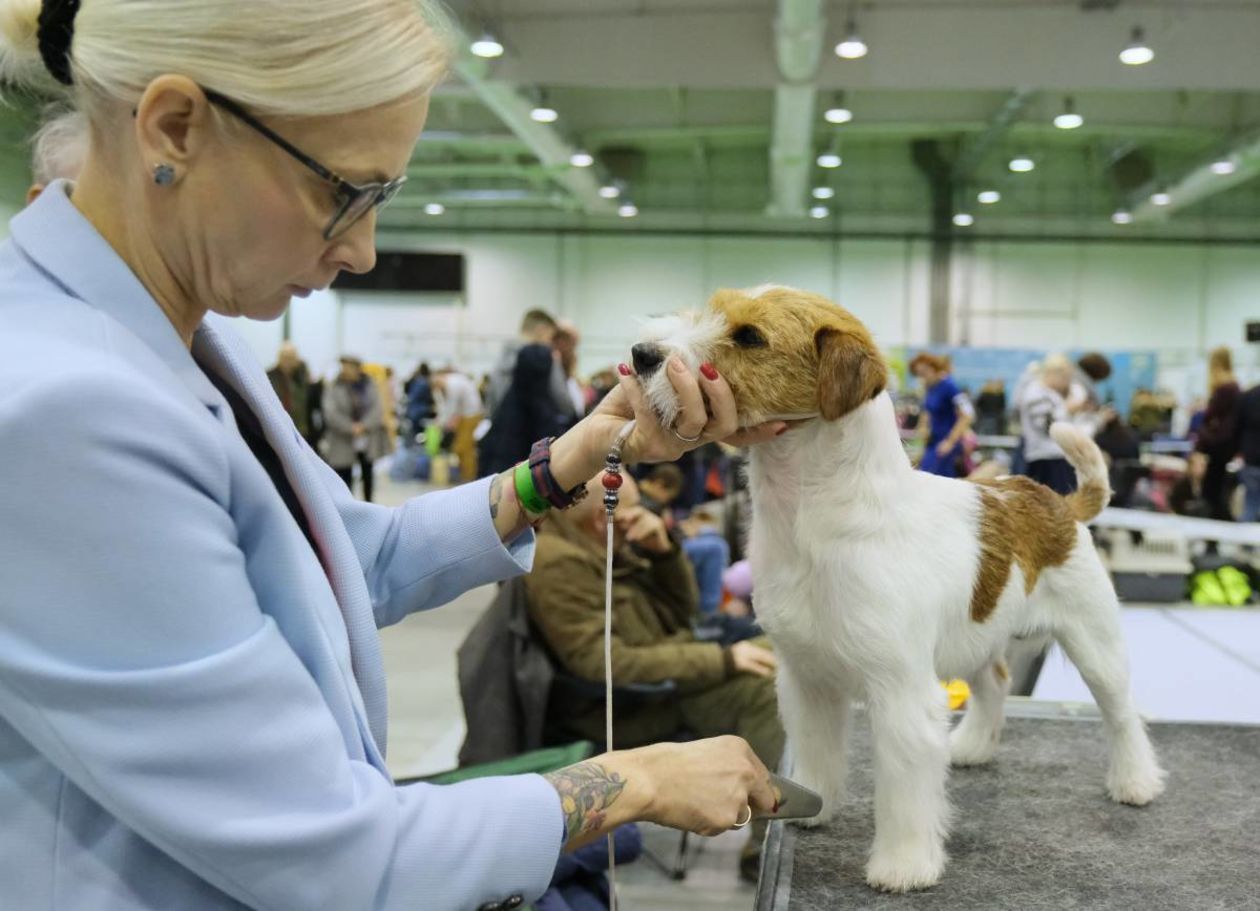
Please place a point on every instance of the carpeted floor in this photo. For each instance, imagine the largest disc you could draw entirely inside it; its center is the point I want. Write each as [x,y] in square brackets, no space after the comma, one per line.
[1035,830]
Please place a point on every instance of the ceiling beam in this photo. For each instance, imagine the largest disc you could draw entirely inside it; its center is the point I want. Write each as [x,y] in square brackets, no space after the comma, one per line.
[1201,182]
[799,30]
[546,143]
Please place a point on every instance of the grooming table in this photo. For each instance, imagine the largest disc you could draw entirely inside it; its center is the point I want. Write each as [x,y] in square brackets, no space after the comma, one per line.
[1035,829]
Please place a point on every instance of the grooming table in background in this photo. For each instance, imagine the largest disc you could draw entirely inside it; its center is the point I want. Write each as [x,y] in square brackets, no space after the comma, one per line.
[1035,830]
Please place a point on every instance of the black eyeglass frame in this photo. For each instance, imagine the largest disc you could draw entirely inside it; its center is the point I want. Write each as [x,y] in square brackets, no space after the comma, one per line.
[350,193]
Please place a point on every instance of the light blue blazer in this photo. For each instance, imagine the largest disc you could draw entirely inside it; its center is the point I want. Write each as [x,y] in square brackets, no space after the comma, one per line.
[192,707]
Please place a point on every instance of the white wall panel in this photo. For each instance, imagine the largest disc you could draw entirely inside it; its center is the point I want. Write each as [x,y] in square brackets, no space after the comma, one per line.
[1141,296]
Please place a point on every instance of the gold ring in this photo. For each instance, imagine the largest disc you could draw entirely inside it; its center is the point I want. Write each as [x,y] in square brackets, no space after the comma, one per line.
[747,818]
[694,439]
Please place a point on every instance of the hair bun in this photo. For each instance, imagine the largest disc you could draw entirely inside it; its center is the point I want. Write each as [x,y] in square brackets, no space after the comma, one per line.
[56,34]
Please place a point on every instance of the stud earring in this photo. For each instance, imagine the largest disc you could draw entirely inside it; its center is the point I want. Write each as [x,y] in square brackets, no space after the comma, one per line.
[163,175]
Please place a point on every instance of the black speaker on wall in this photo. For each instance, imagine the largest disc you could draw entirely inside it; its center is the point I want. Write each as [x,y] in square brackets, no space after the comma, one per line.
[432,272]
[1253,332]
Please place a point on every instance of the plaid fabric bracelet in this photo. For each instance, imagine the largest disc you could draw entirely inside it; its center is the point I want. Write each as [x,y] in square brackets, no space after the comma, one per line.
[545,482]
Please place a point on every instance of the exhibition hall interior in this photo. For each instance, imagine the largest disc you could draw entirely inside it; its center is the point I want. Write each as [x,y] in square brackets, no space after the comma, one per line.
[939,322]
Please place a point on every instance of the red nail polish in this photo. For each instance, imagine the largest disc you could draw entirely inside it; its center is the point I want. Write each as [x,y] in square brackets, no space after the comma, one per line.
[623,369]
[776,807]
[709,371]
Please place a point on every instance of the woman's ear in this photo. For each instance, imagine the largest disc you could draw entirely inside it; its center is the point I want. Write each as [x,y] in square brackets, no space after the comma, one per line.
[851,371]
[172,118]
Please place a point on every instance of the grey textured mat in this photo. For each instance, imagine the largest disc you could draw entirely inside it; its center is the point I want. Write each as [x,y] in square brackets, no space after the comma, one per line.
[1035,830]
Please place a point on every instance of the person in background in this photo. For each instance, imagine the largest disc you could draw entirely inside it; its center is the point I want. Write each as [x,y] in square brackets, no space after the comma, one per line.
[538,327]
[292,382]
[722,689]
[1218,436]
[1044,402]
[459,413]
[991,408]
[659,488]
[60,145]
[1084,399]
[949,414]
[565,342]
[1249,446]
[419,393]
[354,424]
[1187,496]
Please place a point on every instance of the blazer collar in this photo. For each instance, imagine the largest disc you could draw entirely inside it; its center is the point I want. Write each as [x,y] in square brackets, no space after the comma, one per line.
[66,246]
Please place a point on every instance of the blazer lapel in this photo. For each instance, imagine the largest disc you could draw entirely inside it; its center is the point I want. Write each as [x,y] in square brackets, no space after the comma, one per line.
[336,550]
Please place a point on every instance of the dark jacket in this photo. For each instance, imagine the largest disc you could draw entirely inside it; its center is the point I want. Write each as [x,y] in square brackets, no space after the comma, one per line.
[293,390]
[1219,435]
[504,681]
[528,412]
[1249,425]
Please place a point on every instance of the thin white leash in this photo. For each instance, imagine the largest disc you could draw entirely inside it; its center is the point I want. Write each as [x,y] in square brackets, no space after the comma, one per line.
[612,484]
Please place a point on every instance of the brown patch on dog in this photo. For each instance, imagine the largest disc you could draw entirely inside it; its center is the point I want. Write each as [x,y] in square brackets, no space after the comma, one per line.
[788,352]
[1001,670]
[1021,522]
[1089,499]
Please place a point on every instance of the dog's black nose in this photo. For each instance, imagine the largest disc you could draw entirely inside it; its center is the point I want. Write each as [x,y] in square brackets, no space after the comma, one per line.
[647,357]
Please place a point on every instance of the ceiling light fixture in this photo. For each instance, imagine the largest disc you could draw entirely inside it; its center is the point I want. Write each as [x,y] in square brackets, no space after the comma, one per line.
[829,160]
[837,115]
[1069,119]
[964,219]
[819,212]
[1022,164]
[581,159]
[1121,217]
[823,192]
[1160,199]
[543,114]
[988,197]
[628,210]
[487,46]
[608,191]
[852,47]
[1224,167]
[1137,51]
[434,208]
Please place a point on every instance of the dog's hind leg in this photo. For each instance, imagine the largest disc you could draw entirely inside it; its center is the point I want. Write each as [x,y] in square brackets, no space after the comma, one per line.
[1092,639]
[975,739]
[911,739]
[816,720]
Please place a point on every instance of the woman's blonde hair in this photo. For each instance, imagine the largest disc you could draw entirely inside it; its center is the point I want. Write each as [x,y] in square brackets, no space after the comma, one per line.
[1220,367]
[279,57]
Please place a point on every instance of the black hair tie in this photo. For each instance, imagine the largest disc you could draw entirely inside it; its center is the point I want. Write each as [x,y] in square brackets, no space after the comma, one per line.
[56,32]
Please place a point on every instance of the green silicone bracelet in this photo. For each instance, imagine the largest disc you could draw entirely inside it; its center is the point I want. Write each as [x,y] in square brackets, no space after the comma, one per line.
[526,493]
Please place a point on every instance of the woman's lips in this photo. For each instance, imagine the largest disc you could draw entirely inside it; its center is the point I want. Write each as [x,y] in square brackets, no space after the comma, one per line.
[299,291]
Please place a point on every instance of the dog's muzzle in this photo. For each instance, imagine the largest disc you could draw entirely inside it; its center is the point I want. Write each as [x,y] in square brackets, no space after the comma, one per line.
[647,357]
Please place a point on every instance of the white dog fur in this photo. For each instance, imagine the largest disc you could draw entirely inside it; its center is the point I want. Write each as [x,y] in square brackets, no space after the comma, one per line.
[865,569]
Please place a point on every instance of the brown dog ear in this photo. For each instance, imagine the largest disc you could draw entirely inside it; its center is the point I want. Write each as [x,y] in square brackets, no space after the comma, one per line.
[851,372]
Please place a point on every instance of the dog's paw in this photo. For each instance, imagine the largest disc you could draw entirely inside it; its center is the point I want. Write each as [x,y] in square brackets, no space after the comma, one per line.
[1137,789]
[965,749]
[904,871]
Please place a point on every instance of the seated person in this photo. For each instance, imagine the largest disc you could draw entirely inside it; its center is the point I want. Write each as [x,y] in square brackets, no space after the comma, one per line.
[722,689]
[702,542]
[659,488]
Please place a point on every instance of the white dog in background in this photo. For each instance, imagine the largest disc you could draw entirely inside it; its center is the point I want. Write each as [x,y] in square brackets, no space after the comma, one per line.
[876,581]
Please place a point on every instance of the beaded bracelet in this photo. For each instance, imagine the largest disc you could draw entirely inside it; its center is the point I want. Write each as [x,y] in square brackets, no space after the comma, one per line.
[526,493]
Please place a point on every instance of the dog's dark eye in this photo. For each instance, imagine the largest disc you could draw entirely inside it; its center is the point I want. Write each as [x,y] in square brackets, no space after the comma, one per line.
[749,337]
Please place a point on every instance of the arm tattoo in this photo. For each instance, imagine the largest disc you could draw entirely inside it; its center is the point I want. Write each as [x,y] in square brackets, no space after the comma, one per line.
[586,791]
[496,495]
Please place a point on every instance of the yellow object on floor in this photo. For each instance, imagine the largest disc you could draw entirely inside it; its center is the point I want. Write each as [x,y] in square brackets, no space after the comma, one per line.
[958,693]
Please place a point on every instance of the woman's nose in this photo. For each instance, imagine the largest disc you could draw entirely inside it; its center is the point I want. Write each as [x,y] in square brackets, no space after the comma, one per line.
[647,356]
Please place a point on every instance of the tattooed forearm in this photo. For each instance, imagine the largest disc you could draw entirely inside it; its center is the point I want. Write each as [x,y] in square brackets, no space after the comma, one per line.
[586,790]
[505,510]
[496,495]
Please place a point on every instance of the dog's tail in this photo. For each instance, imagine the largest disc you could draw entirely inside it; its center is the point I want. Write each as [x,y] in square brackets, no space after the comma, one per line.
[1093,489]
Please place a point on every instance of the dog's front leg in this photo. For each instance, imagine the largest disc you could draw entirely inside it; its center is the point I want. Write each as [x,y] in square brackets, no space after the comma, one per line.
[911,740]
[816,720]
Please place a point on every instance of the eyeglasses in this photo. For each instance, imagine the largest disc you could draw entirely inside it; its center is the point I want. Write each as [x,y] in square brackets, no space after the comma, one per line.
[354,200]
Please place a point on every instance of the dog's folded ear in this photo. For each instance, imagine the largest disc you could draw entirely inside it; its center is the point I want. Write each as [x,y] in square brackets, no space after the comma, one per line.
[851,371]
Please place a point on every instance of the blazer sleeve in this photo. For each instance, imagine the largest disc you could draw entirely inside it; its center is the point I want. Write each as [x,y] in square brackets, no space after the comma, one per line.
[136,659]
[431,549]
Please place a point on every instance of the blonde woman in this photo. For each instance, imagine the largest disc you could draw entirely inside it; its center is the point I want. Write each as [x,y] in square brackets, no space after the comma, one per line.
[192,703]
[1218,437]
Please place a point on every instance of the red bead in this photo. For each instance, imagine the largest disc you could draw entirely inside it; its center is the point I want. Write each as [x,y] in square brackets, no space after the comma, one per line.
[611,481]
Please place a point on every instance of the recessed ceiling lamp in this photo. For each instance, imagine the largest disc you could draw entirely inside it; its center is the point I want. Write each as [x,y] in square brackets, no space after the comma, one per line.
[964,219]
[608,191]
[628,210]
[543,114]
[1022,164]
[487,46]
[819,212]
[581,159]
[829,160]
[1137,51]
[1121,217]
[1069,119]
[837,115]
[1224,167]
[434,208]
[988,197]
[1160,199]
[852,47]
[823,192]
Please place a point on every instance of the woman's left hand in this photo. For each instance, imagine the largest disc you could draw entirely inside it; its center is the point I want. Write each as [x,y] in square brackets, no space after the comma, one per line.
[651,442]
